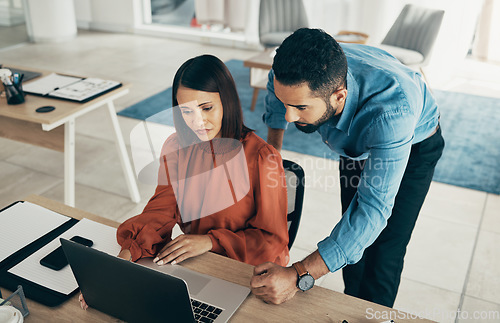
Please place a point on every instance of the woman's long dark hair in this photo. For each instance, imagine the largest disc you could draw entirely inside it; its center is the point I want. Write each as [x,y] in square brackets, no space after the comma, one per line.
[209,74]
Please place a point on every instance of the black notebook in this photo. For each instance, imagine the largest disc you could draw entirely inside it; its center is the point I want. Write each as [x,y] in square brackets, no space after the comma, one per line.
[70,88]
[28,233]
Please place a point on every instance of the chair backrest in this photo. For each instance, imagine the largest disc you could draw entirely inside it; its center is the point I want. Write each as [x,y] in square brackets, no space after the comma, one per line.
[280,18]
[416,28]
[295,188]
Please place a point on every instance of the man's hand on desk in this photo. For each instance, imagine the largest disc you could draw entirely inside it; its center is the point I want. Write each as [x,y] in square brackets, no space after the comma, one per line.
[124,254]
[183,247]
[274,284]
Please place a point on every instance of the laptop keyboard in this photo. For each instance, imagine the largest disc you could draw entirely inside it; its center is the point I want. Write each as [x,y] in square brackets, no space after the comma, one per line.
[203,312]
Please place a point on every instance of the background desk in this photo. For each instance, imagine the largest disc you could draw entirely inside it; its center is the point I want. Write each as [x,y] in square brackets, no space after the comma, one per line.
[316,305]
[21,122]
[259,65]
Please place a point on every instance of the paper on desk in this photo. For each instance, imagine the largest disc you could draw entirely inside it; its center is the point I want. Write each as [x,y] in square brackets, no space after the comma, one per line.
[84,89]
[23,223]
[63,281]
[49,83]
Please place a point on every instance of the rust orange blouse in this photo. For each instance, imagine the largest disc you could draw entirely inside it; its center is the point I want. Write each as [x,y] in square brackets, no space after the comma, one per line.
[240,203]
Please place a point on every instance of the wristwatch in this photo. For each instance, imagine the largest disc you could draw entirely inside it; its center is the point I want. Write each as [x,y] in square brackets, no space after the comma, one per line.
[304,281]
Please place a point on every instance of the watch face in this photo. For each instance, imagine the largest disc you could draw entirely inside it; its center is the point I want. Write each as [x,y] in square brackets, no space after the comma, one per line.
[306,282]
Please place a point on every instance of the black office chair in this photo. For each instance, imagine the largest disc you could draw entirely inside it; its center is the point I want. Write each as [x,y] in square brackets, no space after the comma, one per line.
[295,189]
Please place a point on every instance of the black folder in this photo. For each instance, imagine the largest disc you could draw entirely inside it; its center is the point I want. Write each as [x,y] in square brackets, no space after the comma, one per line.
[32,290]
[70,88]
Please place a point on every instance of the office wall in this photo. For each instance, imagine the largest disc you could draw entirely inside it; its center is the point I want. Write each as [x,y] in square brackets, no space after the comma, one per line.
[50,20]
[486,45]
[83,13]
[375,17]
[108,15]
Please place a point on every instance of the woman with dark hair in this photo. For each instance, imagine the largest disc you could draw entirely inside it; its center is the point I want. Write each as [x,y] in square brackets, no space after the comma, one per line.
[222,184]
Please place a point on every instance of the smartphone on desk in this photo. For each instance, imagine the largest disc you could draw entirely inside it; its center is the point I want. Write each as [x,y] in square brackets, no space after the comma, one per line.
[56,260]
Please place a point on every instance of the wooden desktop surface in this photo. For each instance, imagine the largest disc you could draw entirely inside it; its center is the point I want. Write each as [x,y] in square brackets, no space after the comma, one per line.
[316,305]
[22,123]
[26,111]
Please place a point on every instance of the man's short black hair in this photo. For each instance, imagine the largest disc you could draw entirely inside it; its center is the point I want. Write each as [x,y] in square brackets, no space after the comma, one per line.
[311,56]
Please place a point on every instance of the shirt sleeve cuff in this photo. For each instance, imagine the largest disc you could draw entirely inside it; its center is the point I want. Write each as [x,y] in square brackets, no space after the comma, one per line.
[216,247]
[274,121]
[333,256]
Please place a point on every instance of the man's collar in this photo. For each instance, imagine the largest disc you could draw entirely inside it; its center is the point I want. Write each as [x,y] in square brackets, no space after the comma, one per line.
[344,120]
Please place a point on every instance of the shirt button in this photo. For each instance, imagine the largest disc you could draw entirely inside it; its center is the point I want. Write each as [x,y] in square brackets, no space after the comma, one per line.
[326,142]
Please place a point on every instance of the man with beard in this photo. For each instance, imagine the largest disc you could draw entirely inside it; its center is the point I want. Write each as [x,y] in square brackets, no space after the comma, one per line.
[382,120]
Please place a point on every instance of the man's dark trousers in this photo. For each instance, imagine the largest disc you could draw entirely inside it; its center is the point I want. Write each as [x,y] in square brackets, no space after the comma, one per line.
[377,275]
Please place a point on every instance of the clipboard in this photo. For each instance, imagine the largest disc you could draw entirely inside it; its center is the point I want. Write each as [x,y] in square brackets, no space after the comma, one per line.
[33,290]
[70,88]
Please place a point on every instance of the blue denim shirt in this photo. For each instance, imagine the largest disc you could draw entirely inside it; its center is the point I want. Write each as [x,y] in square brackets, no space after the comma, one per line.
[388,108]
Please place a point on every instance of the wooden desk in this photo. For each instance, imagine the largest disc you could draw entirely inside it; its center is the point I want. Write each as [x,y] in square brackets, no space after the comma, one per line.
[259,68]
[316,305]
[353,37]
[56,130]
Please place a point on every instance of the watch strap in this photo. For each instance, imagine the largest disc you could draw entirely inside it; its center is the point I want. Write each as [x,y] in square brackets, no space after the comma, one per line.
[300,269]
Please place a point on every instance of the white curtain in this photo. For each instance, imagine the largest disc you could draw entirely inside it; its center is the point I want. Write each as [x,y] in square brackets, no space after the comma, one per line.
[486,43]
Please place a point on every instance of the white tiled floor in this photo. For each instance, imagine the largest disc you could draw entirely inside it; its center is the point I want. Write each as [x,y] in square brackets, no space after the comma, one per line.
[452,260]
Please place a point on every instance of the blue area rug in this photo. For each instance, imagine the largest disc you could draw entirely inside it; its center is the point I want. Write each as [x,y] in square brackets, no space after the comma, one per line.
[470,126]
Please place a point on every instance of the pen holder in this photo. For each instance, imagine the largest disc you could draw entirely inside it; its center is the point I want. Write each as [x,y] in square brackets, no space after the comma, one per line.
[14,93]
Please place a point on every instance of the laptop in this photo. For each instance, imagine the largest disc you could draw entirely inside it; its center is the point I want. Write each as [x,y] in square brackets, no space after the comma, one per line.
[146,292]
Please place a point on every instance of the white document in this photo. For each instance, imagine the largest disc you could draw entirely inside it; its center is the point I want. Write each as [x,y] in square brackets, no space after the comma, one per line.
[63,281]
[23,223]
[49,83]
[84,89]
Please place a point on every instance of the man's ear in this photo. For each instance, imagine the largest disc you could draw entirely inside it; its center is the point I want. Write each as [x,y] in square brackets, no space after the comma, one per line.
[338,97]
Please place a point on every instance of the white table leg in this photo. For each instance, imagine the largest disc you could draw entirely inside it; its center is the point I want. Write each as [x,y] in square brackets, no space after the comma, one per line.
[69,162]
[122,152]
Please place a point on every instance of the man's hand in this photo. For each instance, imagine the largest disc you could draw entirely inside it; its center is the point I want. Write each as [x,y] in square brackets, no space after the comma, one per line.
[83,305]
[274,284]
[183,247]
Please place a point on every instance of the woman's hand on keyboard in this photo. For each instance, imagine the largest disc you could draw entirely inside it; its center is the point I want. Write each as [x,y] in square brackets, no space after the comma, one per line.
[183,247]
